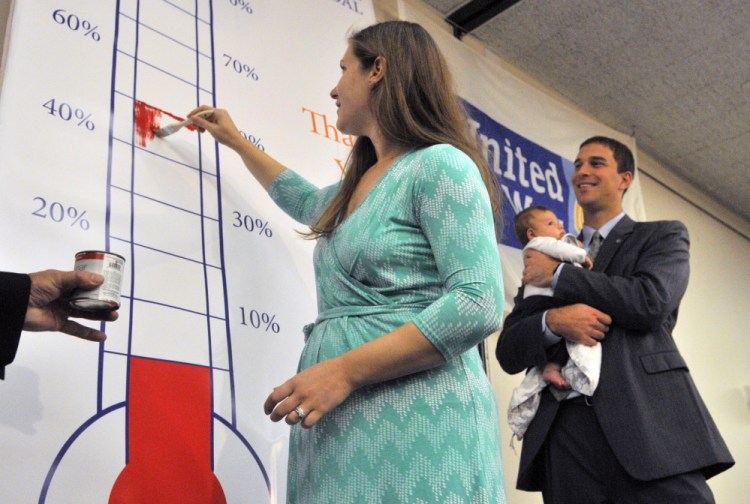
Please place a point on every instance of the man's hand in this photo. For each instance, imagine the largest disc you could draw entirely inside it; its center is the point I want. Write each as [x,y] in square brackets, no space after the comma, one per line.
[48,303]
[579,323]
[538,268]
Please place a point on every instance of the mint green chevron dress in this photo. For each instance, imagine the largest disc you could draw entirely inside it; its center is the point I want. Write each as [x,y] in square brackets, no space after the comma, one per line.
[420,248]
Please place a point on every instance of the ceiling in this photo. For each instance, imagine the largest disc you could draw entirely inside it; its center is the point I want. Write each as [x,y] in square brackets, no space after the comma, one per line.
[674,72]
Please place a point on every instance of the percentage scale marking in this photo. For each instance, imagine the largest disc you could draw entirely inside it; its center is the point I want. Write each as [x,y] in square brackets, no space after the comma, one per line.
[255,319]
[251,224]
[57,212]
[66,112]
[240,67]
[74,22]
[253,140]
[243,5]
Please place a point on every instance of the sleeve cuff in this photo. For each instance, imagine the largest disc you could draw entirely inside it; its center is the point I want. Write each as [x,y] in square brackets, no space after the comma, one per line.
[550,338]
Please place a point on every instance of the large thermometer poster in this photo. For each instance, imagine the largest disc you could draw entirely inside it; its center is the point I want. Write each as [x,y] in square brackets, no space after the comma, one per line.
[218,283]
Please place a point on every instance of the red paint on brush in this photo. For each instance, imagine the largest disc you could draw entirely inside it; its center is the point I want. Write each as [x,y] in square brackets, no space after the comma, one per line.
[148,119]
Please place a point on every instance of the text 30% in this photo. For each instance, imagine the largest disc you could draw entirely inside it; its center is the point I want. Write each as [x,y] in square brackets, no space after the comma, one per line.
[75,23]
[257,319]
[252,224]
[58,213]
[67,112]
[240,67]
[242,4]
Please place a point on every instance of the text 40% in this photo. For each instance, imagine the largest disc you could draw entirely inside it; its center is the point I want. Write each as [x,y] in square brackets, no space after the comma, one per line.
[66,113]
[240,67]
[257,319]
[253,140]
[252,224]
[75,23]
[242,4]
[58,213]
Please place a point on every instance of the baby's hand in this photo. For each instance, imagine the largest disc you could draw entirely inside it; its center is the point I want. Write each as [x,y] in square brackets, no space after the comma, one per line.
[588,263]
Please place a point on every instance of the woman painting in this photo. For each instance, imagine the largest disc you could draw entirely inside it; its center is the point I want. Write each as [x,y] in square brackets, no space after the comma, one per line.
[391,403]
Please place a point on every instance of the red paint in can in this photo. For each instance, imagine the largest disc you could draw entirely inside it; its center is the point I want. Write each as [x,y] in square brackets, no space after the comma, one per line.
[106,297]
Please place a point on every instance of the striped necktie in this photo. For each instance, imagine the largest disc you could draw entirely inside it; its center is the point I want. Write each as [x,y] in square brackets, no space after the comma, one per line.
[596,243]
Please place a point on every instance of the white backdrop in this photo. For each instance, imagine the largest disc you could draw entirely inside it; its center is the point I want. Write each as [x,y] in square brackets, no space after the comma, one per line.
[218,284]
[218,280]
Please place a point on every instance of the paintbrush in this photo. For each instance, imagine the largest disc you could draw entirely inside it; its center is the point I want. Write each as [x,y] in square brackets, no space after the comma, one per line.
[174,128]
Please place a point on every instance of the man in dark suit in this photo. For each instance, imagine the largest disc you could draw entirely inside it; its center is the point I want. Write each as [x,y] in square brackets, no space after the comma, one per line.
[645,436]
[39,302]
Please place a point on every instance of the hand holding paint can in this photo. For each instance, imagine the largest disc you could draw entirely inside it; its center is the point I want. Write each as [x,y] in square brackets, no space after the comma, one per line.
[106,297]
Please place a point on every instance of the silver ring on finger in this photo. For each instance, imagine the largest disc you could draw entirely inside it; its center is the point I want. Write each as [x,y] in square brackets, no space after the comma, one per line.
[300,412]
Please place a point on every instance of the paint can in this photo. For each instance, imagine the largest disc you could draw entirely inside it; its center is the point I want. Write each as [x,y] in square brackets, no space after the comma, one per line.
[106,297]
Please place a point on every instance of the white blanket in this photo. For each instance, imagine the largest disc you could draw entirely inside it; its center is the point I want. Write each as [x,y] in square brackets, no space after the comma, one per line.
[581,371]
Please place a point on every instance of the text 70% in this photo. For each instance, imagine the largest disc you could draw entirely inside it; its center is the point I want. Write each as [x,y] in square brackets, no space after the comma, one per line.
[240,67]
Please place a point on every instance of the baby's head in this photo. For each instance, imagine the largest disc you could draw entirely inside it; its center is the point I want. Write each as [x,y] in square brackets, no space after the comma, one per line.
[537,221]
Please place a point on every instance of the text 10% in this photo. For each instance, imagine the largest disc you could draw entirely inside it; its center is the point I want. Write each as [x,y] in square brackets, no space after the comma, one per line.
[240,67]
[253,140]
[259,320]
[67,113]
[58,212]
[75,23]
[252,224]
[242,4]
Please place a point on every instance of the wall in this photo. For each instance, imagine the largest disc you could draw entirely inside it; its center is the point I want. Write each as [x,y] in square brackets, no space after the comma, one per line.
[714,317]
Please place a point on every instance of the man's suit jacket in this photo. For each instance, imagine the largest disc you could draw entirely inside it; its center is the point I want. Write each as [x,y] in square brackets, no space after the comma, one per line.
[14,299]
[646,402]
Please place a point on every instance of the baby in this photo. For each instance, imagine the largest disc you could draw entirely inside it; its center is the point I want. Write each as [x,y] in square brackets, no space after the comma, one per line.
[538,228]
[569,365]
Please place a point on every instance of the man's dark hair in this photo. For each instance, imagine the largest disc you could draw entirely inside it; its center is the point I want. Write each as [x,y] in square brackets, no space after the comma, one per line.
[620,151]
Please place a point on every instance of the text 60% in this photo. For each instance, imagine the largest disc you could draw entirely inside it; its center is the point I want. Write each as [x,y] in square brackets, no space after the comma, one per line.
[67,113]
[75,23]
[242,4]
[59,212]
[252,224]
[240,67]
[257,320]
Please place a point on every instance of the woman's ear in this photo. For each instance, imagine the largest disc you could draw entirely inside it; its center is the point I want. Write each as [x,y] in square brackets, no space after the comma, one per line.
[377,70]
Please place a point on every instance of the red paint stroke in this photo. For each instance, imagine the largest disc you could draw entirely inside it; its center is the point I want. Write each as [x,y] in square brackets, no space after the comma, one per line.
[169,436]
[148,119]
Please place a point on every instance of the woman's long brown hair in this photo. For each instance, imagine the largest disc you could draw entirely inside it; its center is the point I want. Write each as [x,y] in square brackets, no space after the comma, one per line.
[415,105]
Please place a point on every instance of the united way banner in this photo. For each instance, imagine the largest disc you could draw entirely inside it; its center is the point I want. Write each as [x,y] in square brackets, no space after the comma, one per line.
[528,173]
[218,283]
